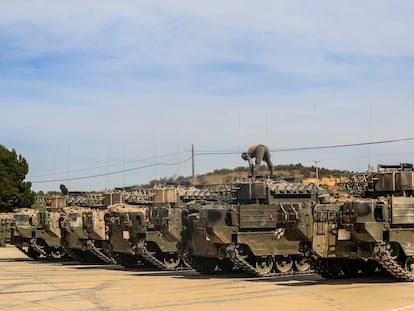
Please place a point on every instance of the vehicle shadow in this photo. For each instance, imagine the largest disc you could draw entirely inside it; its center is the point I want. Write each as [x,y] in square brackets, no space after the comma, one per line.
[317,280]
[289,281]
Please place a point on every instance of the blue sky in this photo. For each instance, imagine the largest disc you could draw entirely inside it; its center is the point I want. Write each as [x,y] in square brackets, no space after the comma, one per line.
[94,87]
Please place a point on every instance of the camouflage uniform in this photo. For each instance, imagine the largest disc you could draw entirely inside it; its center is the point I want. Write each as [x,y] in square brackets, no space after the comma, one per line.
[260,152]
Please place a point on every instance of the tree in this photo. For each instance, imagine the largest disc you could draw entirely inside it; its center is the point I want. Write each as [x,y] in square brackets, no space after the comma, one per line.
[14,191]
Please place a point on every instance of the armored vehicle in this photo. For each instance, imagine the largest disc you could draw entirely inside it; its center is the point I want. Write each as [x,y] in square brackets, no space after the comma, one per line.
[37,233]
[388,180]
[90,230]
[83,226]
[117,231]
[122,222]
[170,221]
[134,242]
[6,222]
[242,234]
[362,235]
[133,237]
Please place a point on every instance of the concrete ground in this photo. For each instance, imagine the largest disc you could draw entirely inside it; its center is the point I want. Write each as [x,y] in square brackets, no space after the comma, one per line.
[31,285]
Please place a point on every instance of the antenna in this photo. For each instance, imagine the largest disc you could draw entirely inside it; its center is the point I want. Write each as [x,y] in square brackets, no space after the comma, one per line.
[266,130]
[54,170]
[123,165]
[235,176]
[107,167]
[370,134]
[316,171]
[155,154]
[178,156]
[192,165]
[68,167]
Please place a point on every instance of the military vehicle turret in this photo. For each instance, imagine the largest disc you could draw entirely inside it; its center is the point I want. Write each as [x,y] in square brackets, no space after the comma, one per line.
[362,235]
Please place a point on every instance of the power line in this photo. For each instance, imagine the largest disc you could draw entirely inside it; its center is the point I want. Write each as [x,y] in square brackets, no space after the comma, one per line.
[380,155]
[312,147]
[110,165]
[204,153]
[345,145]
[112,173]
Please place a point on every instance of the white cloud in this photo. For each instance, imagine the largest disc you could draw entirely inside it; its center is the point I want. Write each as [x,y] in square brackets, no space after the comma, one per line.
[134,79]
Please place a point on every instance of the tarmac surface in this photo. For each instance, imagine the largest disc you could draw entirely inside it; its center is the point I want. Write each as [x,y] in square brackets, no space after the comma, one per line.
[26,284]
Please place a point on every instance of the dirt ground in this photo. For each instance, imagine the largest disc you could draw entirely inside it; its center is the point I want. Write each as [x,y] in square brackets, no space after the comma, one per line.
[31,285]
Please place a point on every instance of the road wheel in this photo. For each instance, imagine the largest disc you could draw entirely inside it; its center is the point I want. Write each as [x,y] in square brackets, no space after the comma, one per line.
[301,264]
[409,266]
[171,261]
[264,264]
[284,263]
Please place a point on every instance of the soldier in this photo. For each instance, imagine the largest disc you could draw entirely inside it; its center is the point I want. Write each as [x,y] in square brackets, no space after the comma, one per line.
[260,152]
[63,189]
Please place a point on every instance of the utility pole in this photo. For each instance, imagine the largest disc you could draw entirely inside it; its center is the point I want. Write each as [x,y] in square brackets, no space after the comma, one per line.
[316,170]
[192,165]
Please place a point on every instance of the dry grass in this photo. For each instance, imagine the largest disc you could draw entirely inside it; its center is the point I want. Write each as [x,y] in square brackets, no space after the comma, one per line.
[327,182]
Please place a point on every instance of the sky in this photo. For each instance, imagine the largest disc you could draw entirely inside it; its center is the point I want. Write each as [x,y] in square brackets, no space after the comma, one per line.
[102,94]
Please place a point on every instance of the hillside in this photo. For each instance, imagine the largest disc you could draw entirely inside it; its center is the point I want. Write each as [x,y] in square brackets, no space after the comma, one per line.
[327,177]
